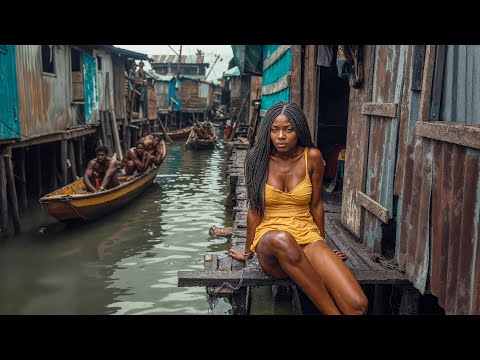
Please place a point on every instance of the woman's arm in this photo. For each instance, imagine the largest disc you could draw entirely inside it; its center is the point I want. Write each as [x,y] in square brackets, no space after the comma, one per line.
[253,220]
[316,164]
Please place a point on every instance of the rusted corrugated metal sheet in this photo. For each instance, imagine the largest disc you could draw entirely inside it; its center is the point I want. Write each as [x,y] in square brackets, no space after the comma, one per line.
[44,99]
[455,223]
[387,88]
[461,85]
[173,59]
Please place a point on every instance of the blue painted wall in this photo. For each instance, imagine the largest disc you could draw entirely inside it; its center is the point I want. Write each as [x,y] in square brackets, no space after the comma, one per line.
[90,88]
[9,111]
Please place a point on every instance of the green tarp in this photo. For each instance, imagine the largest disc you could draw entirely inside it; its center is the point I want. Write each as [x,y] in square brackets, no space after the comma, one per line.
[249,59]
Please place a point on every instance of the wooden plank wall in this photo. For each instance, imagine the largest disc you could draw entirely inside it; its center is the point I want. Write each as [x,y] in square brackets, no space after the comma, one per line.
[357,147]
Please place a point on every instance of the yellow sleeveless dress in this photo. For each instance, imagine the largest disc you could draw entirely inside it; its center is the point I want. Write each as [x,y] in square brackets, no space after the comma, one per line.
[289,211]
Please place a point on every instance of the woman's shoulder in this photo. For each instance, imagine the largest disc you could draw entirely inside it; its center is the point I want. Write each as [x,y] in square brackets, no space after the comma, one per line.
[314,154]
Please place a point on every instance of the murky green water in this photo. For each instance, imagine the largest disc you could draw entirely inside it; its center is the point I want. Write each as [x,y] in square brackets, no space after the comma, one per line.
[127,262]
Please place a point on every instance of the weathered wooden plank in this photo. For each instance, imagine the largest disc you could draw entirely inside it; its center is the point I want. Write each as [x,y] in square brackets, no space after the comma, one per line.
[310,101]
[281,84]
[418,62]
[296,75]
[23,180]
[450,132]
[277,54]
[380,109]
[63,160]
[374,207]
[424,112]
[256,277]
[262,113]
[58,135]
[3,198]
[12,193]
[357,148]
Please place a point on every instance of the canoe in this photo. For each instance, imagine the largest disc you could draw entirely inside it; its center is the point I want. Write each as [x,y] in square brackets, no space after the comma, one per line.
[72,203]
[180,134]
[193,142]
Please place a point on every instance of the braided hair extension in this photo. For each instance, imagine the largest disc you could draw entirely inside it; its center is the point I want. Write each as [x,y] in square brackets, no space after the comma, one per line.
[256,161]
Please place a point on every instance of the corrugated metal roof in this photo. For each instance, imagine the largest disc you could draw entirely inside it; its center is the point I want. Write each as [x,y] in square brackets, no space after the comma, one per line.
[173,59]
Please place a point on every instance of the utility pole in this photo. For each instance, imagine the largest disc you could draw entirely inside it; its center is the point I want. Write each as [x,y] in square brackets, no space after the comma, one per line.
[217,57]
[179,61]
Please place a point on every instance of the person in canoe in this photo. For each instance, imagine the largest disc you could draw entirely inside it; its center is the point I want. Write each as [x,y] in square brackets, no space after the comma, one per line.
[101,172]
[153,147]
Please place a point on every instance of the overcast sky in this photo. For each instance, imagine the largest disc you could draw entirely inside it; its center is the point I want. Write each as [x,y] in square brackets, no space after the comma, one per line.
[225,52]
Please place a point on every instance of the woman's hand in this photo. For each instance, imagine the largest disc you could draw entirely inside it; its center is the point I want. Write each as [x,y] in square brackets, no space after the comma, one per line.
[237,254]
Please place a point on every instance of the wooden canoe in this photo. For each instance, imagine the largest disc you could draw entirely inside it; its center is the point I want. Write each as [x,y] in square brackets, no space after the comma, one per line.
[177,134]
[72,203]
[193,142]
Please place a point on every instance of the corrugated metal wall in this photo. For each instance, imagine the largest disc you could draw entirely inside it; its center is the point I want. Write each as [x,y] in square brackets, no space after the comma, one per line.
[9,112]
[441,252]
[273,73]
[44,99]
[461,85]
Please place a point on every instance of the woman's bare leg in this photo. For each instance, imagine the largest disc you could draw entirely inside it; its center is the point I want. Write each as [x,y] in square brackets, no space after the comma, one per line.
[337,278]
[280,256]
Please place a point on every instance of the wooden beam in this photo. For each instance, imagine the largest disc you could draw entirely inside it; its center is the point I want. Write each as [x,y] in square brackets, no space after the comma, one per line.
[56,136]
[424,111]
[380,109]
[23,179]
[3,198]
[454,133]
[12,193]
[63,162]
[73,160]
[274,88]
[296,75]
[277,54]
[256,277]
[374,207]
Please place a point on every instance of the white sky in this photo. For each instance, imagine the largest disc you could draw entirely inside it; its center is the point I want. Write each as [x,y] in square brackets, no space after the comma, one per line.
[225,52]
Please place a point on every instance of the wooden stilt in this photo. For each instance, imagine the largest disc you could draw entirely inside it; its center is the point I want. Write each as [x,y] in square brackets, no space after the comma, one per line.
[38,156]
[73,162]
[23,179]
[3,198]
[103,127]
[63,159]
[81,154]
[12,193]
[54,166]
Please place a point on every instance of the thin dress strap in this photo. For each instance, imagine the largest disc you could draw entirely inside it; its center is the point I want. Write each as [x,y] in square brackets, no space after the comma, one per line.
[305,150]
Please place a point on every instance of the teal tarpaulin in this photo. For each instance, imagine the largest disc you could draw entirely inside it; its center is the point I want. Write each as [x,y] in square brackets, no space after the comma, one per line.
[249,59]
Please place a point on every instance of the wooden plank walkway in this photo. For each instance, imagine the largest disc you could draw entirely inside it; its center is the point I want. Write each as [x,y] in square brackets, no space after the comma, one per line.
[225,276]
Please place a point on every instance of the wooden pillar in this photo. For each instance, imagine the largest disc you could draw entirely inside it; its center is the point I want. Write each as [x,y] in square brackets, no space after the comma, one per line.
[296,75]
[81,154]
[54,165]
[3,198]
[63,159]
[23,179]
[12,193]
[38,157]
[73,162]
[103,127]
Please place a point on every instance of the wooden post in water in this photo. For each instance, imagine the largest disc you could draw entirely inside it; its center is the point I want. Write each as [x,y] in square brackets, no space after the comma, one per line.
[81,154]
[3,198]
[12,193]
[23,179]
[73,162]
[114,119]
[38,156]
[63,159]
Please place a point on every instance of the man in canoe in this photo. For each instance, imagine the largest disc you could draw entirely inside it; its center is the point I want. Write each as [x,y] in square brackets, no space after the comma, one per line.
[101,173]
[154,148]
[135,161]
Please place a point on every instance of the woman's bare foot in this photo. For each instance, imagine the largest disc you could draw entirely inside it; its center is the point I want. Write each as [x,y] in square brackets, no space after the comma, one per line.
[341,254]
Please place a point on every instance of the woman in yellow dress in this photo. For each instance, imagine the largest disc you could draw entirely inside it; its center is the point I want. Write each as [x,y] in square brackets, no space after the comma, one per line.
[285,222]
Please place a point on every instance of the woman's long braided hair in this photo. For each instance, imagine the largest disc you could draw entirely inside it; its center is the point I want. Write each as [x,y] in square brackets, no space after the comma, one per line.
[256,161]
